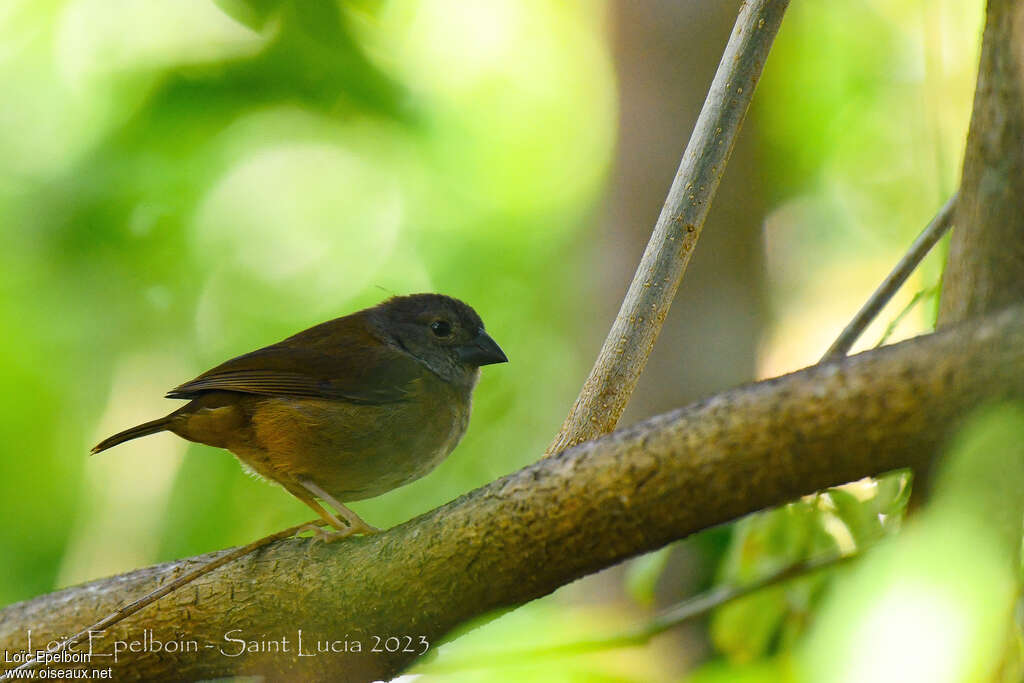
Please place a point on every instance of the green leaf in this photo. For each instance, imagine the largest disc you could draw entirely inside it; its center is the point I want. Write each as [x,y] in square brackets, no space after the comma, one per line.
[768,541]
[891,497]
[642,575]
[720,671]
[251,13]
[860,517]
[745,630]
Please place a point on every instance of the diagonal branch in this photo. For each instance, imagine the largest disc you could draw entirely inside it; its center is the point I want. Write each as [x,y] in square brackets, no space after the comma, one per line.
[931,234]
[618,366]
[563,517]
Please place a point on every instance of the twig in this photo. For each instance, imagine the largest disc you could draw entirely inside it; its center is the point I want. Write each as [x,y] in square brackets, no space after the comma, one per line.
[668,618]
[622,358]
[151,597]
[932,233]
[914,300]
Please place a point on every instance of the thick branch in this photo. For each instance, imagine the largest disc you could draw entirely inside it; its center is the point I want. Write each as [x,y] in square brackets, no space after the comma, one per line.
[986,256]
[618,366]
[526,534]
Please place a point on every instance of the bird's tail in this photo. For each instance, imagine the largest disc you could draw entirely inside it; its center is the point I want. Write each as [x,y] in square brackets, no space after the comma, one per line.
[144,429]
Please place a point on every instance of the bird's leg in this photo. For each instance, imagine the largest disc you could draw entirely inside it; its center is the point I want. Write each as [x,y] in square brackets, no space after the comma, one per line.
[355,525]
[319,534]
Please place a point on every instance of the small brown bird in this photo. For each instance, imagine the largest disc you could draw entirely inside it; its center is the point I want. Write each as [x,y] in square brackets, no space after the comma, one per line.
[345,410]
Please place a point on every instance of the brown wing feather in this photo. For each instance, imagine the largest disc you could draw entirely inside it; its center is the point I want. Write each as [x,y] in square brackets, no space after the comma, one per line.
[338,359]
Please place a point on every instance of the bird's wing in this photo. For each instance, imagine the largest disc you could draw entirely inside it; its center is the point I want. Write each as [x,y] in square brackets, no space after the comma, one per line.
[356,368]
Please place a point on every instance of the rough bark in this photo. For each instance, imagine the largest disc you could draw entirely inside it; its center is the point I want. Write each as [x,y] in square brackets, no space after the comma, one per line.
[666,52]
[625,351]
[986,260]
[526,534]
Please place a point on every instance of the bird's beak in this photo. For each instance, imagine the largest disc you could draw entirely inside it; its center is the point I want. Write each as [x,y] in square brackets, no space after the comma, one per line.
[482,351]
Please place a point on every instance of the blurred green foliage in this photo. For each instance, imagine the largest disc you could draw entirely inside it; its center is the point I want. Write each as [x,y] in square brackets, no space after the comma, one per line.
[184,181]
[863,109]
[835,522]
[862,114]
[937,603]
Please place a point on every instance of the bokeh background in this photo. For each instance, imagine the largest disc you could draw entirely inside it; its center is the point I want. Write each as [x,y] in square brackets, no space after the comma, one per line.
[184,180]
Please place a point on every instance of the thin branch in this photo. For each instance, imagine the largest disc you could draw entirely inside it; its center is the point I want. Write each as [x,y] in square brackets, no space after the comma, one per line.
[563,517]
[928,238]
[667,619]
[622,358]
[890,329]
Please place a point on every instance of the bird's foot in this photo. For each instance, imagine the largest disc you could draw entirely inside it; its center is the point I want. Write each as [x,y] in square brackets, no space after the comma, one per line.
[358,526]
[321,535]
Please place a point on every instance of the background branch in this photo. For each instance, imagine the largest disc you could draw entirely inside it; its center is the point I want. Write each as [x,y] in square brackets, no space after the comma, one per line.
[625,351]
[985,271]
[931,234]
[985,267]
[524,535]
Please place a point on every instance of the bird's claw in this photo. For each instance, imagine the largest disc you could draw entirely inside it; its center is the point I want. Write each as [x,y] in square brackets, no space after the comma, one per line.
[321,535]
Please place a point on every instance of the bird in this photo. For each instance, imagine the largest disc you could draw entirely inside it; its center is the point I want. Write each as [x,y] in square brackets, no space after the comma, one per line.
[345,410]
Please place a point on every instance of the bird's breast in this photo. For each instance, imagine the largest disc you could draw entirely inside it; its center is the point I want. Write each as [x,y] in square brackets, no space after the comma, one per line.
[357,451]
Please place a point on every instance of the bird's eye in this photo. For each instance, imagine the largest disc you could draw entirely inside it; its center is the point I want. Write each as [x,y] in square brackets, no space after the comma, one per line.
[441,328]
